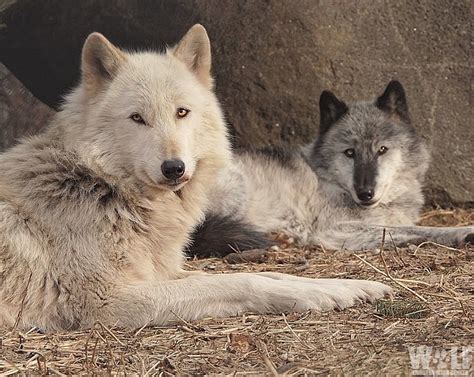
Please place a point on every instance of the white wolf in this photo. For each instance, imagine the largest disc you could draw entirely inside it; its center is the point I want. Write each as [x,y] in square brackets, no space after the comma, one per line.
[95,212]
[364,173]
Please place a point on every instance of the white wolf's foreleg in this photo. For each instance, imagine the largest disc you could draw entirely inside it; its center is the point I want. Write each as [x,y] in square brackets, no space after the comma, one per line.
[199,296]
[361,236]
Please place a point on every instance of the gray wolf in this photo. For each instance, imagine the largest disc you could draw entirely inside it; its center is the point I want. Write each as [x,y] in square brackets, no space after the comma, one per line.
[95,212]
[364,173]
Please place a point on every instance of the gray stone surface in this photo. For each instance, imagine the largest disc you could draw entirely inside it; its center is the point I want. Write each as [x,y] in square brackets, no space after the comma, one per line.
[21,114]
[272,58]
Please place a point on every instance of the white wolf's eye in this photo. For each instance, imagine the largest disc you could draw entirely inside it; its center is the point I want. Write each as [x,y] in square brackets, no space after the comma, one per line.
[349,152]
[137,118]
[383,149]
[182,112]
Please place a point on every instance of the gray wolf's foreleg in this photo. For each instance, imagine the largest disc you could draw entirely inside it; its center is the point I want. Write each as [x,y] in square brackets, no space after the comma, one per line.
[361,236]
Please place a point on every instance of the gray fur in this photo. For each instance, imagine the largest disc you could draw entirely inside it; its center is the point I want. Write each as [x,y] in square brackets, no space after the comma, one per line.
[314,198]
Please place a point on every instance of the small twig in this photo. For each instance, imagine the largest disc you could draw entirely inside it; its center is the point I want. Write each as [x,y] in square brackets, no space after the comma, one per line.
[387,272]
[383,239]
[295,366]
[141,329]
[190,326]
[16,368]
[234,249]
[438,295]
[452,296]
[86,347]
[391,326]
[31,330]
[409,281]
[396,249]
[56,371]
[33,358]
[94,350]
[396,281]
[435,212]
[435,244]
[295,334]
[110,333]
[322,248]
[266,358]
[147,373]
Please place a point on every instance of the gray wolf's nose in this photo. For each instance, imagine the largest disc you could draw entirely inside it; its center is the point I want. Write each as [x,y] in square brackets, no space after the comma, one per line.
[173,169]
[365,195]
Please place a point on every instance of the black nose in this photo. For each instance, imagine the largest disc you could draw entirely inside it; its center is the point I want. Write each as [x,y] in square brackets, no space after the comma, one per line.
[365,195]
[173,169]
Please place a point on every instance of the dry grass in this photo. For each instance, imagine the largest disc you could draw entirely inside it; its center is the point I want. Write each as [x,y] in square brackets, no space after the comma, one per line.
[435,308]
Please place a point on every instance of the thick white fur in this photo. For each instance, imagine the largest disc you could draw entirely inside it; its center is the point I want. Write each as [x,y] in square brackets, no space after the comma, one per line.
[91,230]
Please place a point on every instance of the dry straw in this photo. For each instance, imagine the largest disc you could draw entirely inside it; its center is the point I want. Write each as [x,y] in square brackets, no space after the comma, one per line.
[434,306]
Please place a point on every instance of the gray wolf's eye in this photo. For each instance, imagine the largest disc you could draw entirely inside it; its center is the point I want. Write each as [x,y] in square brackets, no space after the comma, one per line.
[137,118]
[182,112]
[349,152]
[383,149]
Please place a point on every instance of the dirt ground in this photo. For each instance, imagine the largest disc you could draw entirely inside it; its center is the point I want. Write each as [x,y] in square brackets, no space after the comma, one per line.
[433,307]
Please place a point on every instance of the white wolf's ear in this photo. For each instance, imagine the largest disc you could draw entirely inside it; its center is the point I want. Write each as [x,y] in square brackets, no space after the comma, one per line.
[100,60]
[194,49]
[330,109]
[393,101]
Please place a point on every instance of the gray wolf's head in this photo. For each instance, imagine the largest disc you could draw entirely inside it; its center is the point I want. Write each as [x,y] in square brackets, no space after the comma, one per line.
[369,149]
[147,117]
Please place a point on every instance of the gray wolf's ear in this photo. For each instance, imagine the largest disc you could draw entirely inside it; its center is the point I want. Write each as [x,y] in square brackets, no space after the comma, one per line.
[194,49]
[393,101]
[100,60]
[330,110]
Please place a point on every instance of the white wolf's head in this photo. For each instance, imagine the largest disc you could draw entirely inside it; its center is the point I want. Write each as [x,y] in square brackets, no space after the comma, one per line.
[370,149]
[147,117]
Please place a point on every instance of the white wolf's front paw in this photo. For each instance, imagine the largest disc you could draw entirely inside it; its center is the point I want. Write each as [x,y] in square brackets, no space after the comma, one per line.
[286,293]
[346,293]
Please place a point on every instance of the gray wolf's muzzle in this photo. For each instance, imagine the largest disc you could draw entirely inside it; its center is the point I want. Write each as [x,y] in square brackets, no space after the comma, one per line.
[364,181]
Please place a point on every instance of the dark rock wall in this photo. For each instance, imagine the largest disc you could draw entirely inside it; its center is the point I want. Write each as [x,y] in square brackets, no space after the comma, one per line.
[272,59]
[21,114]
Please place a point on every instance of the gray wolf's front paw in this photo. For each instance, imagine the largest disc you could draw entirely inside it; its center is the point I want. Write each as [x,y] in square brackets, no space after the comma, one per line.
[465,236]
[469,239]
